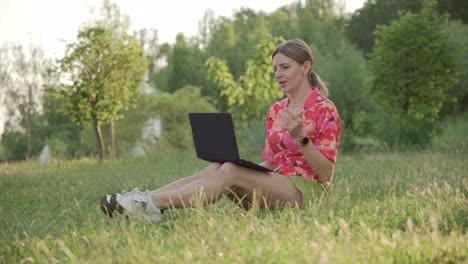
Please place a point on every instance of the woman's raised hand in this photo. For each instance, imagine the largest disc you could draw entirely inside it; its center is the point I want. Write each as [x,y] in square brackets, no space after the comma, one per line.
[292,122]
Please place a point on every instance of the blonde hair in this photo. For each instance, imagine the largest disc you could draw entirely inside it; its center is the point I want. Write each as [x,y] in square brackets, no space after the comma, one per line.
[300,52]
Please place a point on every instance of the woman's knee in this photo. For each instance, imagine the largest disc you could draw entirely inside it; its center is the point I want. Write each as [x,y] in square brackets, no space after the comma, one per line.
[228,172]
[229,168]
[214,166]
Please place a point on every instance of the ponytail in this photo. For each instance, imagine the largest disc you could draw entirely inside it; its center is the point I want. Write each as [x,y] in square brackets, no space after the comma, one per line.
[315,81]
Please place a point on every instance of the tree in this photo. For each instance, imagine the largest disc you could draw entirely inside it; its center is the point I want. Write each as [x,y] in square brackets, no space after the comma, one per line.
[280,23]
[206,27]
[411,75]
[457,9]
[323,32]
[57,129]
[185,65]
[119,23]
[344,71]
[148,40]
[256,90]
[363,22]
[235,40]
[23,72]
[103,74]
[458,103]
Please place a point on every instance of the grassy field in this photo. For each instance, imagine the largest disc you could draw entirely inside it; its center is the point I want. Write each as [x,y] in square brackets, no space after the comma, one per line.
[387,207]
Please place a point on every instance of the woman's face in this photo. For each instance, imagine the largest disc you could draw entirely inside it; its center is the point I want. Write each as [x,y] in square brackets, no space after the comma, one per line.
[289,74]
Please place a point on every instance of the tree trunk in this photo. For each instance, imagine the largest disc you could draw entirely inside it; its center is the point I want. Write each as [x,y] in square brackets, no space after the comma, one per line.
[29,121]
[29,135]
[99,139]
[112,136]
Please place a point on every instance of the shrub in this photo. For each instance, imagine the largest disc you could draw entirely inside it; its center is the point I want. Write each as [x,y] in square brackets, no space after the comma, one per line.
[413,69]
[174,109]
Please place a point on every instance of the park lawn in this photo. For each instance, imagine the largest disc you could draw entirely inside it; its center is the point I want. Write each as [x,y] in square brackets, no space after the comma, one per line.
[387,207]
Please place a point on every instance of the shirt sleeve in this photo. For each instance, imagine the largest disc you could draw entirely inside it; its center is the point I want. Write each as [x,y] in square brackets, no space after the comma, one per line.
[327,132]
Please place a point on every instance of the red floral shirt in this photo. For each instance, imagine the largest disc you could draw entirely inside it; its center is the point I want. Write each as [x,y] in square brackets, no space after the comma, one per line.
[321,124]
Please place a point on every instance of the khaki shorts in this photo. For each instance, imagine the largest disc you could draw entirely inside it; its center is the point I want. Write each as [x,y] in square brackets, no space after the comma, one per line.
[312,190]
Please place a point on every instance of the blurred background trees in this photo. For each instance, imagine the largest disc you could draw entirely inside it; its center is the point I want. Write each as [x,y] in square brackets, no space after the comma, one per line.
[411,76]
[226,68]
[23,72]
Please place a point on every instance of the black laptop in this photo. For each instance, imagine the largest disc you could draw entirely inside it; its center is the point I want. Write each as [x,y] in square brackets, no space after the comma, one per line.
[215,140]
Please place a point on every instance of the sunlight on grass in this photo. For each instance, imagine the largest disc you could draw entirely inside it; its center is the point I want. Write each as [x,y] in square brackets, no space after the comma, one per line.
[401,207]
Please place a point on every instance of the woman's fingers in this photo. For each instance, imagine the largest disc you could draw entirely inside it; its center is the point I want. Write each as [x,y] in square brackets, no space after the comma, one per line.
[291,121]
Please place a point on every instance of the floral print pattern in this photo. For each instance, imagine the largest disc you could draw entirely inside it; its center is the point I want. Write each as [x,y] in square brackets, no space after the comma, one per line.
[321,124]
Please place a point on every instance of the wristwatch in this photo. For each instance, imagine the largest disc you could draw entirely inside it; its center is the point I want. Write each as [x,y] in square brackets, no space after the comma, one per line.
[302,141]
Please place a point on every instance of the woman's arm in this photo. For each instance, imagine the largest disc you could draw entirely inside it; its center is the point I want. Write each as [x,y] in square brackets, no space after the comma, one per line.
[321,164]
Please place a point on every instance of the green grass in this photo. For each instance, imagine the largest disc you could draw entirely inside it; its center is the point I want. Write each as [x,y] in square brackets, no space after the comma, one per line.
[387,207]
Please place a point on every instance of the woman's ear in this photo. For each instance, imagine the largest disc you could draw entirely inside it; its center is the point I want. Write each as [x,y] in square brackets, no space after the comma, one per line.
[307,66]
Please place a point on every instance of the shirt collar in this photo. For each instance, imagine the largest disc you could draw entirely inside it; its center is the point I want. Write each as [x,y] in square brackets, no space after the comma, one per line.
[313,98]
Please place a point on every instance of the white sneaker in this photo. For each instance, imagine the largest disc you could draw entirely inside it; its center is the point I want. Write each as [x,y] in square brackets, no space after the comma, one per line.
[135,202]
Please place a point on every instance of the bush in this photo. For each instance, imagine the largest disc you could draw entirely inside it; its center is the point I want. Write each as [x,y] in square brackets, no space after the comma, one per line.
[15,145]
[412,76]
[174,109]
[128,131]
[251,139]
[15,142]
[58,148]
[345,73]
[404,133]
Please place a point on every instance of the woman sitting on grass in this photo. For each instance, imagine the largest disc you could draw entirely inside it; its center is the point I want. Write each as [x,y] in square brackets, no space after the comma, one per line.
[302,137]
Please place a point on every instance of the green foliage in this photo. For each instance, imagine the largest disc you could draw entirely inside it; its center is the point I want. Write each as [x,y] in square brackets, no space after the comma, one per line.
[345,72]
[457,101]
[363,22]
[15,145]
[280,23]
[318,25]
[106,74]
[411,76]
[104,70]
[453,136]
[456,9]
[251,139]
[57,128]
[128,130]
[51,127]
[250,96]
[22,75]
[235,40]
[173,110]
[148,40]
[185,67]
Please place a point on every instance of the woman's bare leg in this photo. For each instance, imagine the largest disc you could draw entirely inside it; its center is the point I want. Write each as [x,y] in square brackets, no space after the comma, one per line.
[269,189]
[181,182]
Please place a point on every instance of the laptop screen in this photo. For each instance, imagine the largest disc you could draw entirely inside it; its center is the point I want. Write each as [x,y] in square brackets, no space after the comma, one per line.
[214,137]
